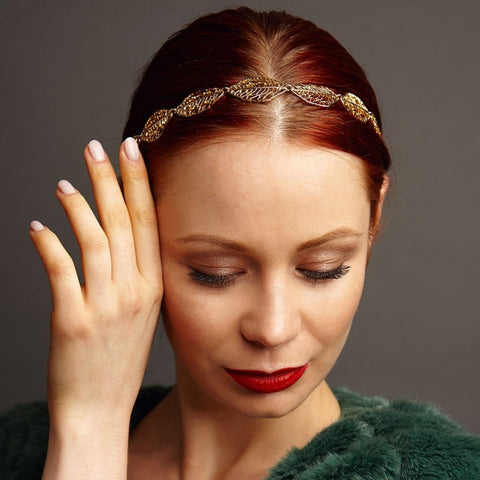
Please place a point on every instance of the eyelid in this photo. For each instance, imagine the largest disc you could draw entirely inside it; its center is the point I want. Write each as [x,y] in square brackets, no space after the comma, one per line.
[329,254]
[322,266]
[326,265]
[212,280]
[326,259]
[319,276]
[216,270]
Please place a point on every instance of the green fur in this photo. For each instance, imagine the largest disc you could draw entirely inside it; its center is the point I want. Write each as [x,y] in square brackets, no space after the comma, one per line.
[375,439]
[380,440]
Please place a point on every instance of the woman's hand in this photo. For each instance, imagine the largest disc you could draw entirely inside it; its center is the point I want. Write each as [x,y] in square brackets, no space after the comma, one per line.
[101,331]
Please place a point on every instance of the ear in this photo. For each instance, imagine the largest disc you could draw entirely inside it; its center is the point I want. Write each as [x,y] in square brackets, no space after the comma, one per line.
[378,211]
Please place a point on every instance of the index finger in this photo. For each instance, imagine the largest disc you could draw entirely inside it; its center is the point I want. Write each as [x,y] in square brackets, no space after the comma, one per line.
[141,207]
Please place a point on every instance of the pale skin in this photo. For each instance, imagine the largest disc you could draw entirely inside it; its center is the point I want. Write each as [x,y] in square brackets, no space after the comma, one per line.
[259,220]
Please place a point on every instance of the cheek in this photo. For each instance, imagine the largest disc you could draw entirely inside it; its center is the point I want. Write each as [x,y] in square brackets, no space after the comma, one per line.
[331,315]
[194,319]
[182,317]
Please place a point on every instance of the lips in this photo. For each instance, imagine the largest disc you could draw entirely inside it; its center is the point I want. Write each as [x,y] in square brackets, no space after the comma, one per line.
[263,382]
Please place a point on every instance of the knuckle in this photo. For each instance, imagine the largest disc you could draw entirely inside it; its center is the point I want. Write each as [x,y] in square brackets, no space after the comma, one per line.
[154,294]
[94,244]
[104,171]
[131,299]
[156,287]
[157,296]
[136,174]
[117,218]
[58,265]
[70,326]
[82,330]
[145,216]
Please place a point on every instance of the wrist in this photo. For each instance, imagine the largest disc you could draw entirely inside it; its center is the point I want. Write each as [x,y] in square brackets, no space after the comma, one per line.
[80,423]
[90,448]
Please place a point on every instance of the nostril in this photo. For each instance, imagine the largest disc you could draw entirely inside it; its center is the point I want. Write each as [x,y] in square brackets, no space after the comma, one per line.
[265,335]
[262,344]
[274,319]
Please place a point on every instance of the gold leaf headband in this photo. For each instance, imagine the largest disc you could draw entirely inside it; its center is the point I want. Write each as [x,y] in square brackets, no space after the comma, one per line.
[255,90]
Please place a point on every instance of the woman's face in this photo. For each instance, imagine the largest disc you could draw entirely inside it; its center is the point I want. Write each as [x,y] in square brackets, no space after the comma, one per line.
[264,249]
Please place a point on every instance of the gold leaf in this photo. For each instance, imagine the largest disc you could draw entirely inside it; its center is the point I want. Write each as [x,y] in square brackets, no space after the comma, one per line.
[198,102]
[257,89]
[155,125]
[315,95]
[357,108]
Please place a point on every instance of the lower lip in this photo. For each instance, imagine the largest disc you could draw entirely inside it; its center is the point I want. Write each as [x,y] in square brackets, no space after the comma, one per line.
[262,382]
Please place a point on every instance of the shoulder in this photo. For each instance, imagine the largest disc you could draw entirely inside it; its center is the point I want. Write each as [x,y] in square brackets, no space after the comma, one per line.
[24,434]
[384,439]
[427,442]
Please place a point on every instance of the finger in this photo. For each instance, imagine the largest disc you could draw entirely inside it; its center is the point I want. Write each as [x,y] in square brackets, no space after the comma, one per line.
[112,210]
[63,278]
[141,208]
[90,236]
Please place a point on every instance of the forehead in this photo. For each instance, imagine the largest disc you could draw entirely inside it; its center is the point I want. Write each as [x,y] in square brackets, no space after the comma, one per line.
[234,186]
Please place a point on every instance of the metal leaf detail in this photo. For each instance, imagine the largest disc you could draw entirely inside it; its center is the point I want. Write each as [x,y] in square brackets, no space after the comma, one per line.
[357,108]
[155,125]
[257,89]
[198,102]
[315,95]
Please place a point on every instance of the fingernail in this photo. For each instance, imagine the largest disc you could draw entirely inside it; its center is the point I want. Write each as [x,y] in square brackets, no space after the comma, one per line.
[66,187]
[36,226]
[96,150]
[131,149]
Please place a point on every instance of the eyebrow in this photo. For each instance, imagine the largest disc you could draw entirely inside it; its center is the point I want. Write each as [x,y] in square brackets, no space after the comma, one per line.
[336,234]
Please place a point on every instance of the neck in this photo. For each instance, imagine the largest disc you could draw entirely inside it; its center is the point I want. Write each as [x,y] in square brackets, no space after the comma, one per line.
[178,430]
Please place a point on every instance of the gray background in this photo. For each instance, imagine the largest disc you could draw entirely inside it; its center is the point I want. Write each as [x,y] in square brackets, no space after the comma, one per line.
[67,73]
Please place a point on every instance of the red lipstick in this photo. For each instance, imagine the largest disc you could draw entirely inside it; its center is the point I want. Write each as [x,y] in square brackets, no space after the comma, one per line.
[263,382]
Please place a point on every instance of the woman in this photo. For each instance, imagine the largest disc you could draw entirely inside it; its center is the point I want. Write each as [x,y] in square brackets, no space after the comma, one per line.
[261,140]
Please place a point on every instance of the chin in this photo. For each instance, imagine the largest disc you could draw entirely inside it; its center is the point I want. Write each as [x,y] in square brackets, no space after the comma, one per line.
[270,405]
[271,411]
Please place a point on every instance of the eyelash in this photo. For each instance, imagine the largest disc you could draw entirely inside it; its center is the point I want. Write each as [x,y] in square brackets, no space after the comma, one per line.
[222,281]
[316,276]
[213,281]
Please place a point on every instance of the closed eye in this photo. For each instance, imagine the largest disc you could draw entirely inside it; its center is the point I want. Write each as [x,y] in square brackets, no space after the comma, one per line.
[317,276]
[213,281]
[222,281]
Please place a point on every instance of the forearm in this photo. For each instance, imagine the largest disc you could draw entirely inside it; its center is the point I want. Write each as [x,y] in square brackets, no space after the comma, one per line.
[90,450]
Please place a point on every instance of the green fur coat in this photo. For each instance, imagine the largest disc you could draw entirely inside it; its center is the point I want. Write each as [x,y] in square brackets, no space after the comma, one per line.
[375,439]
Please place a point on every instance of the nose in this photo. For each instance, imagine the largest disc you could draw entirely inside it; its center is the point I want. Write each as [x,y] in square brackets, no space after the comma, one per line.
[273,320]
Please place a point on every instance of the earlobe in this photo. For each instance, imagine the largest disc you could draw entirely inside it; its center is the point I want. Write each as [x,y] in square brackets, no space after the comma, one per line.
[378,210]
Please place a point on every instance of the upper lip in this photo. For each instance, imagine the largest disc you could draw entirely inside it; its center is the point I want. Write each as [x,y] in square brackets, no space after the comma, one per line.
[264,373]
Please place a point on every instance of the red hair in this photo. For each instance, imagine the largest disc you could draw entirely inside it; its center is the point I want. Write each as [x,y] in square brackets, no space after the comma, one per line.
[220,49]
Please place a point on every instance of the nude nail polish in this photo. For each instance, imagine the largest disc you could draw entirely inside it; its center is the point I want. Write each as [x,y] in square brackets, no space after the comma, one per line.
[96,150]
[36,226]
[131,149]
[66,187]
